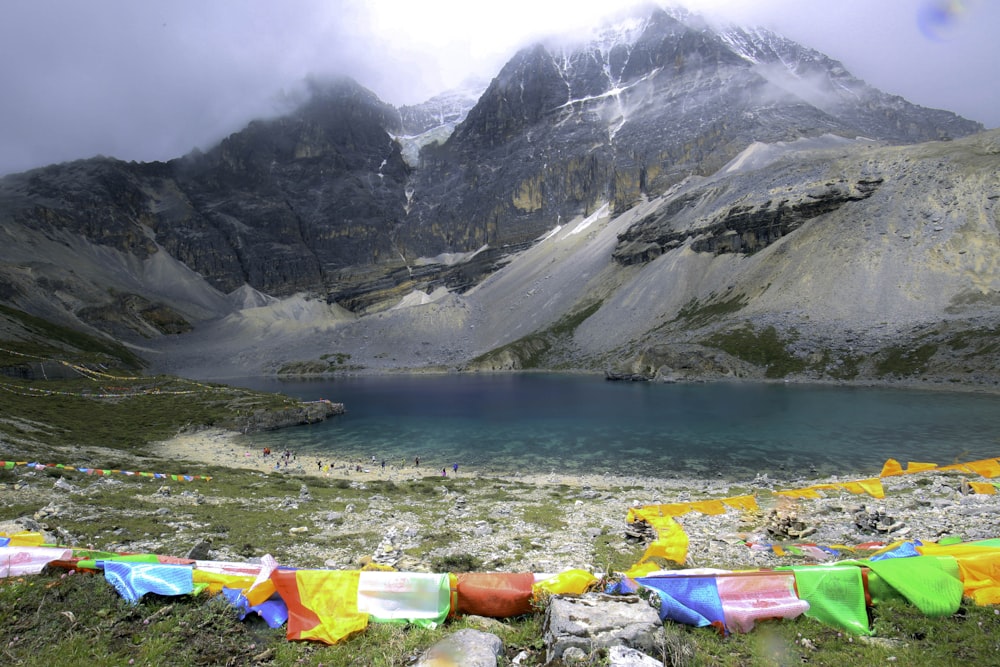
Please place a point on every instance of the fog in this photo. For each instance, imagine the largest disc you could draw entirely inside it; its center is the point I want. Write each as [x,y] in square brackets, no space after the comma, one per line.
[152,81]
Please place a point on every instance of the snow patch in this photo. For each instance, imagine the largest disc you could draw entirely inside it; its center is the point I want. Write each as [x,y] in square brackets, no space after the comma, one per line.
[410,145]
[602,212]
[421,298]
[449,258]
[552,233]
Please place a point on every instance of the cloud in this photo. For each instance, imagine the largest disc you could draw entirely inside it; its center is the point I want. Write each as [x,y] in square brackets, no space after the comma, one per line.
[150,81]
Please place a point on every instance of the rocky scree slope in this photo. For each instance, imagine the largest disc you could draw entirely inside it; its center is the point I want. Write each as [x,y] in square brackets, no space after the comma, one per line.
[325,203]
[814,259]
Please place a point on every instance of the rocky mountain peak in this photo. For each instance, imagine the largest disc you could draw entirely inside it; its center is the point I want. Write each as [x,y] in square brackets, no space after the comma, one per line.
[340,121]
[446,109]
[528,87]
[360,204]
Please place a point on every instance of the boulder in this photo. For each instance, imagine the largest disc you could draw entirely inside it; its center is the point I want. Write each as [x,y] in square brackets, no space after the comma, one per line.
[594,621]
[26,524]
[466,647]
[622,656]
[201,550]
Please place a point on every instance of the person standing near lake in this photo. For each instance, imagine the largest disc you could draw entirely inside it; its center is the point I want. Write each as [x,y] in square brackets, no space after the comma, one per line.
[454,468]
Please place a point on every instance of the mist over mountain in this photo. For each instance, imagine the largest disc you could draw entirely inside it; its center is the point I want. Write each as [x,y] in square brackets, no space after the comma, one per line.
[641,200]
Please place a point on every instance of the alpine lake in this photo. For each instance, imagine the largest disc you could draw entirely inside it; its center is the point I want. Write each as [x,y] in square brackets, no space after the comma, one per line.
[568,424]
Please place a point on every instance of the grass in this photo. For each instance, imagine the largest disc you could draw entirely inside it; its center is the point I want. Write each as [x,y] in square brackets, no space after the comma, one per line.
[546,516]
[904,362]
[616,554]
[695,314]
[80,412]
[45,339]
[847,369]
[80,620]
[247,513]
[60,619]
[456,563]
[976,341]
[764,348]
[332,362]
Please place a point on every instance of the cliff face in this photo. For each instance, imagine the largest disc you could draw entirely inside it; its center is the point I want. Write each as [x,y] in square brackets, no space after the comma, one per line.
[660,123]
[292,199]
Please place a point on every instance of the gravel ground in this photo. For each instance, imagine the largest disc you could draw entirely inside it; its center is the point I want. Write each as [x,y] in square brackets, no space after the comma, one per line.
[527,523]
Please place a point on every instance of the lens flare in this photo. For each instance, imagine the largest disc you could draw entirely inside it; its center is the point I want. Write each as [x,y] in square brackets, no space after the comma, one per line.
[938,20]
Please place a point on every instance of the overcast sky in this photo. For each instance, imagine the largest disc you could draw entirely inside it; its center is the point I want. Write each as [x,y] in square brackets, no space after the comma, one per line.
[153,79]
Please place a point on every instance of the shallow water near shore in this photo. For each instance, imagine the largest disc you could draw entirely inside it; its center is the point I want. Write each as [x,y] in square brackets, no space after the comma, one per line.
[582,424]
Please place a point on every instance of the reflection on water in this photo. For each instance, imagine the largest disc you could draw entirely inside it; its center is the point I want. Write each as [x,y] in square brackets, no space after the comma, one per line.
[583,424]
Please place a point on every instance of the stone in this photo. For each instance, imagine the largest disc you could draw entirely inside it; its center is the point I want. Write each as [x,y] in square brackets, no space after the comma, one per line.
[466,647]
[65,537]
[50,511]
[875,521]
[783,526]
[623,656]
[640,530]
[63,485]
[200,551]
[520,658]
[26,524]
[595,620]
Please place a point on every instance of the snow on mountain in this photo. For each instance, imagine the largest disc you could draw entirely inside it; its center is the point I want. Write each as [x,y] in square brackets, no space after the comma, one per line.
[434,120]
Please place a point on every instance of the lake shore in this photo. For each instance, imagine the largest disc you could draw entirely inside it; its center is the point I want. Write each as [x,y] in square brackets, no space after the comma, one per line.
[927,506]
[220,447]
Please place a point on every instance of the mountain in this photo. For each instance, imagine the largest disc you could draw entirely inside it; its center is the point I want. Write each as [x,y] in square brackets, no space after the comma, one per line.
[435,120]
[562,130]
[660,140]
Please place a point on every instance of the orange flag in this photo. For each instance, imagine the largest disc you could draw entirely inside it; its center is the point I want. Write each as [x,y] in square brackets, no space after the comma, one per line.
[322,604]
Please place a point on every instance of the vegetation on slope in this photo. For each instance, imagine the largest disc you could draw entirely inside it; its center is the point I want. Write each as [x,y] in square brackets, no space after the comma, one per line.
[124,413]
[763,348]
[533,351]
[34,336]
[696,314]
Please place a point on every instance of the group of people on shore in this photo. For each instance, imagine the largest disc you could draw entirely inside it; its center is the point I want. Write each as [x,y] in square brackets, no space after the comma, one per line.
[288,457]
[381,465]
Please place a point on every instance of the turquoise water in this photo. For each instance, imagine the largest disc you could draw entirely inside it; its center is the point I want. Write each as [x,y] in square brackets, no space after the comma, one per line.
[584,424]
